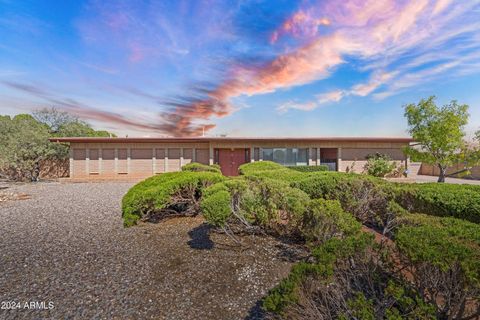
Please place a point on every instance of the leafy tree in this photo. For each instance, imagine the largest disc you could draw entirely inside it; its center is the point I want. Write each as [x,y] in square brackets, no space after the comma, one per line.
[439,132]
[24,144]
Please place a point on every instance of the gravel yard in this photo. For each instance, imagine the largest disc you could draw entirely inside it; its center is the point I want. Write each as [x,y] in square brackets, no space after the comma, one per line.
[65,244]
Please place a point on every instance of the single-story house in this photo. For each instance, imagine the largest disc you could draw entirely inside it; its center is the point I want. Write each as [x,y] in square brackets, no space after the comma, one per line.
[142,157]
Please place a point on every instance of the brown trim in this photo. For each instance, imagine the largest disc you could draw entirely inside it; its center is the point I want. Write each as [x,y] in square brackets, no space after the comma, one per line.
[226,139]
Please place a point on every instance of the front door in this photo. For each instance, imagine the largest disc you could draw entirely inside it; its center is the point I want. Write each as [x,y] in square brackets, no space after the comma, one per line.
[230,160]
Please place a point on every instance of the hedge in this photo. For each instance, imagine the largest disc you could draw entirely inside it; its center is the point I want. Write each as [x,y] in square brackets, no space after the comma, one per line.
[258,201]
[440,199]
[257,166]
[442,242]
[444,255]
[346,280]
[196,167]
[325,219]
[157,193]
[326,255]
[309,168]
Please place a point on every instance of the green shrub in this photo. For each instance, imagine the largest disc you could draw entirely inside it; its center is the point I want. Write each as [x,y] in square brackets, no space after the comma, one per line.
[309,168]
[273,202]
[444,255]
[283,174]
[216,207]
[346,280]
[325,219]
[367,198]
[196,167]
[264,202]
[176,192]
[439,199]
[286,292]
[379,165]
[220,199]
[252,167]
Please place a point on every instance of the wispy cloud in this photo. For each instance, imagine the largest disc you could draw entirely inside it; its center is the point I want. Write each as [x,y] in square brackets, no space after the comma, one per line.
[362,89]
[393,44]
[415,41]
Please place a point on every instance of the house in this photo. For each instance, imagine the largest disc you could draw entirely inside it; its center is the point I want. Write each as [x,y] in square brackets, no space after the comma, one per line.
[111,158]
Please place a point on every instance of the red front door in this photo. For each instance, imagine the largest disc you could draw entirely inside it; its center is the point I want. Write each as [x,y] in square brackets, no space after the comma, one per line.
[230,160]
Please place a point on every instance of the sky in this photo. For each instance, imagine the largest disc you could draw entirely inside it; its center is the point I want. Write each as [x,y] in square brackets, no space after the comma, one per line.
[240,68]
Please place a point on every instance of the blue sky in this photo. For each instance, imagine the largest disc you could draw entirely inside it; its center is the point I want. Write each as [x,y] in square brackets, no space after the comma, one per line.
[245,68]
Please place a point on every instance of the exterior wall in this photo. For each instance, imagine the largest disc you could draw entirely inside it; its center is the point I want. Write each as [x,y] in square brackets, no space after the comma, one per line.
[430,170]
[144,159]
[355,158]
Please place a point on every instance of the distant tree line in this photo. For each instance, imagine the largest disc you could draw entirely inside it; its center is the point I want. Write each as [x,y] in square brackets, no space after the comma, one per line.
[24,145]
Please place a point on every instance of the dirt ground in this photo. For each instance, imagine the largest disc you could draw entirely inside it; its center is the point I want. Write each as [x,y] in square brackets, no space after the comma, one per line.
[65,244]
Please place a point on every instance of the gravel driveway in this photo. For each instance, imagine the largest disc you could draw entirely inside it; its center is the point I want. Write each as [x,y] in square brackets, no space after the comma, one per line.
[66,245]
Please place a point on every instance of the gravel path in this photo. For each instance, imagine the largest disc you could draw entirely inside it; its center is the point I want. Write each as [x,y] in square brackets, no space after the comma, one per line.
[66,245]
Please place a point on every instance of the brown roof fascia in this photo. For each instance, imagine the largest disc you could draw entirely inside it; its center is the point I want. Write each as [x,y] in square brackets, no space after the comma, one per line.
[221,139]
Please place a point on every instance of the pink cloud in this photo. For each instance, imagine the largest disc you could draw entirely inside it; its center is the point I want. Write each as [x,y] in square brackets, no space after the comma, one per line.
[301,24]
[372,31]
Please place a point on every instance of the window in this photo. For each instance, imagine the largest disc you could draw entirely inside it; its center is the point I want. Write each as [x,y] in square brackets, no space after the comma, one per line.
[286,156]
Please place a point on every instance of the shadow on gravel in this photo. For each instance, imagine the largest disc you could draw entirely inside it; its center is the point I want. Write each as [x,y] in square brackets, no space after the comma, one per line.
[200,238]
[256,312]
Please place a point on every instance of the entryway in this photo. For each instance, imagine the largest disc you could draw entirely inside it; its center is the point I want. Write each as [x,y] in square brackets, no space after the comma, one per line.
[230,159]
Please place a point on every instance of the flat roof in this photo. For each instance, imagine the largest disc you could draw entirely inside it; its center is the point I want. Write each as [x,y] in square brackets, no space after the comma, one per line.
[221,139]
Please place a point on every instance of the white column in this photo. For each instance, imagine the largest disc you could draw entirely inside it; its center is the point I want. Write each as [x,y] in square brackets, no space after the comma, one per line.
[310,153]
[181,158]
[194,155]
[260,154]
[100,158]
[319,161]
[87,161]
[165,164]
[210,157]
[154,160]
[339,158]
[70,163]
[115,164]
[252,154]
[128,159]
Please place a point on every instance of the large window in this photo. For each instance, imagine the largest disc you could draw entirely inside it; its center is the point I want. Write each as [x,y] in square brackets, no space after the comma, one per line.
[286,156]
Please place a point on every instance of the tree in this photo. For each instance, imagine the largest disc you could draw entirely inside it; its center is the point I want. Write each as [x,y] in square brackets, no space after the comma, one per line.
[53,118]
[438,131]
[24,145]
